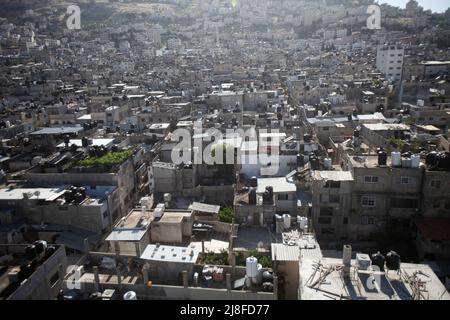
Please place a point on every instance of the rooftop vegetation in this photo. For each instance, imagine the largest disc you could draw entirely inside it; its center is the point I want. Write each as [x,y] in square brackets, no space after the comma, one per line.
[109,159]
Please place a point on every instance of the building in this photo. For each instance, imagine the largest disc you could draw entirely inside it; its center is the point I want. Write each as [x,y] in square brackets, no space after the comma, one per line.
[390,61]
[32,275]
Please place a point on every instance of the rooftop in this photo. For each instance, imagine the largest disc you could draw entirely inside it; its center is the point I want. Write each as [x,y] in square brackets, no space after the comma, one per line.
[203,207]
[365,284]
[58,131]
[170,254]
[279,185]
[333,175]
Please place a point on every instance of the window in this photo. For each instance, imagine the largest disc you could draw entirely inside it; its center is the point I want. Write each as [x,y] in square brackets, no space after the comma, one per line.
[283,197]
[367,220]
[370,179]
[324,220]
[399,203]
[326,211]
[327,230]
[406,180]
[334,198]
[345,220]
[333,184]
[368,201]
[435,184]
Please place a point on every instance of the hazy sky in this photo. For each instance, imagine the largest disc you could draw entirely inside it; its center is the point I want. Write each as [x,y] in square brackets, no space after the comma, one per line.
[434,5]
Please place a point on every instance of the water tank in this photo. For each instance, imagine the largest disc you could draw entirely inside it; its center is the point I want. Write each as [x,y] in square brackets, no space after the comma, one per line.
[130,295]
[85,142]
[356,133]
[382,158]
[167,197]
[253,182]
[393,261]
[36,160]
[378,260]
[302,222]
[406,162]
[159,210]
[259,275]
[30,252]
[363,261]
[300,160]
[267,276]
[40,245]
[251,267]
[267,287]
[307,138]
[252,197]
[430,160]
[286,221]
[396,159]
[328,164]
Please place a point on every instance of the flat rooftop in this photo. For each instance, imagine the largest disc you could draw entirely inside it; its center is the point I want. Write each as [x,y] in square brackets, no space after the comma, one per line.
[279,185]
[58,131]
[170,254]
[95,142]
[333,175]
[390,286]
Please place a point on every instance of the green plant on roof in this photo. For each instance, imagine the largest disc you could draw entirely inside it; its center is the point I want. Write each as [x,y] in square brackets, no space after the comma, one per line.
[226,215]
[109,159]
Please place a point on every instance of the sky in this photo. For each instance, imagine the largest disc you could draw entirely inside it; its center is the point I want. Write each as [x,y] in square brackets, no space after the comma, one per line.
[434,5]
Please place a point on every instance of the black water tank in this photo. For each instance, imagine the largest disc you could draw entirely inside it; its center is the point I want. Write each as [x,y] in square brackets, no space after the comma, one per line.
[253,182]
[378,260]
[300,160]
[306,137]
[40,246]
[66,139]
[356,133]
[85,142]
[252,197]
[430,159]
[382,158]
[393,261]
[50,251]
[30,252]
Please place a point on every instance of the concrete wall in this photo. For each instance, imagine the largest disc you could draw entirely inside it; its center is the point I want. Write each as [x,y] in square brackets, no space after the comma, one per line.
[165,292]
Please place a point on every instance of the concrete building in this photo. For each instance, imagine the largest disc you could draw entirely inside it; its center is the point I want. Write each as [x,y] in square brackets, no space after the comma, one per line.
[390,61]
[39,278]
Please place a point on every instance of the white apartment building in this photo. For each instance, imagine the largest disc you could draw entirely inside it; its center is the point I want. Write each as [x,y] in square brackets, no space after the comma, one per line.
[390,61]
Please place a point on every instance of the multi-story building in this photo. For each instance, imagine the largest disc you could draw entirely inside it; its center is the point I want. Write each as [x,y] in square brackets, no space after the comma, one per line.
[390,61]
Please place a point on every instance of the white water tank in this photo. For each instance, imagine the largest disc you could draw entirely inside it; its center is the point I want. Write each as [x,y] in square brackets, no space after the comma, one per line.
[130,295]
[259,275]
[415,161]
[406,162]
[396,159]
[302,222]
[251,267]
[167,197]
[159,210]
[287,221]
[327,164]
